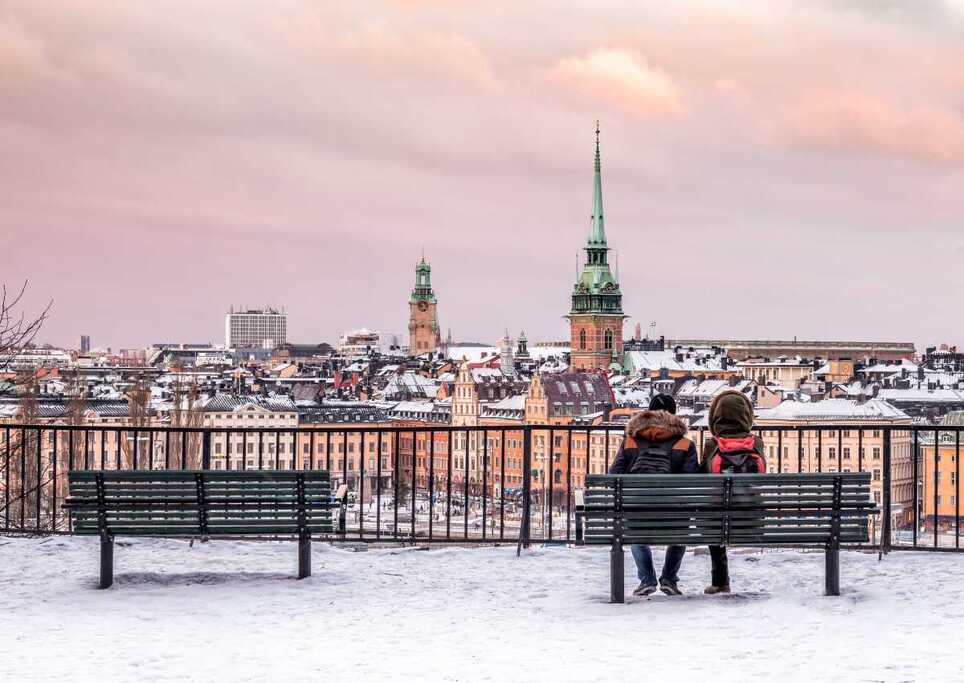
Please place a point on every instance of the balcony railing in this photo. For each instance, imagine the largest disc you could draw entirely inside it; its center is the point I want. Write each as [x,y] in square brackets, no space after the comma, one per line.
[439,483]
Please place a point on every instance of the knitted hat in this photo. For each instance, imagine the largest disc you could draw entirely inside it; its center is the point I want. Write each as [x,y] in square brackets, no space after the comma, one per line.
[663,402]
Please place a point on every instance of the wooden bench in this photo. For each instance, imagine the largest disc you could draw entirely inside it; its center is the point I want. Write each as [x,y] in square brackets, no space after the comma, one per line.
[195,503]
[757,510]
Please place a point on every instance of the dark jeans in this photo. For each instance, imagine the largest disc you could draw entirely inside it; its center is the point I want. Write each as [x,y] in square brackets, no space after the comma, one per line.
[721,569]
[645,570]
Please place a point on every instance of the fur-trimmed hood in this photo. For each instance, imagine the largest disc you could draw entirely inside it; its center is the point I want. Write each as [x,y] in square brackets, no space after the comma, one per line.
[656,425]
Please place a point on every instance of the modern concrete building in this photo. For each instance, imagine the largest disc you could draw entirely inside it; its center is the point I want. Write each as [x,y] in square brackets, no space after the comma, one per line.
[264,328]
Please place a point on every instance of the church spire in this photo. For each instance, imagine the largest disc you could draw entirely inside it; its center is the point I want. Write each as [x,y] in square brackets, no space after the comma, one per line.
[597,233]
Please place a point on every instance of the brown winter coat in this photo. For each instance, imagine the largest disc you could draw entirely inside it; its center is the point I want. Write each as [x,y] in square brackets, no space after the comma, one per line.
[658,428]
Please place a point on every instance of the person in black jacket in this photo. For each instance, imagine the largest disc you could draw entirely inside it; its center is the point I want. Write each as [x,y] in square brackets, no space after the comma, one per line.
[656,443]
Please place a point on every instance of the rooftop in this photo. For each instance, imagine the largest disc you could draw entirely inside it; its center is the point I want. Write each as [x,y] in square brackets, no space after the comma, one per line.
[833,409]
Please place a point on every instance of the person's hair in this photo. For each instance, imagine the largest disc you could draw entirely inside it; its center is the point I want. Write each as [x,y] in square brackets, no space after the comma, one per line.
[663,402]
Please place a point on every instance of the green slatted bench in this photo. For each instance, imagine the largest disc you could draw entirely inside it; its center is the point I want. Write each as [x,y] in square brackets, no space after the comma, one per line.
[190,503]
[757,510]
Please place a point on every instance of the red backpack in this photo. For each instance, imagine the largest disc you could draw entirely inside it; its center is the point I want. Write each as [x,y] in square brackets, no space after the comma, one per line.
[737,455]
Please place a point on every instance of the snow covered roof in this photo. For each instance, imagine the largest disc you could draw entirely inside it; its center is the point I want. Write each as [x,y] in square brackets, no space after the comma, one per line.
[832,409]
[709,387]
[228,403]
[903,364]
[922,395]
[412,384]
[480,375]
[472,353]
[512,407]
[782,361]
[541,353]
[649,361]
[632,396]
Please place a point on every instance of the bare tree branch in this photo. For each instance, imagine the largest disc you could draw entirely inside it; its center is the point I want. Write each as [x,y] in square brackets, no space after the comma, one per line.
[16,329]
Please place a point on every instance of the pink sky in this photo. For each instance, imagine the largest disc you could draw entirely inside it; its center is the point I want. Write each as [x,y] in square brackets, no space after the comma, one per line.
[770,169]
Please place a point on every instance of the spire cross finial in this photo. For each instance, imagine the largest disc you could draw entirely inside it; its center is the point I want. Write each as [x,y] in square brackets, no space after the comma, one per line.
[597,136]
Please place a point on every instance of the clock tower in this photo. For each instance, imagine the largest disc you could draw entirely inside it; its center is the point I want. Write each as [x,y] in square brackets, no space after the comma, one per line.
[596,315]
[423,317]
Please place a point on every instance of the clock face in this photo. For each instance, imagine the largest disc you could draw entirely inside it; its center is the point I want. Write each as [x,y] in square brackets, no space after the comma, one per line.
[422,306]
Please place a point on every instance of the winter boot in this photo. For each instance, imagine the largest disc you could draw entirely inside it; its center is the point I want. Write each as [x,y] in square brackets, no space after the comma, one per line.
[713,590]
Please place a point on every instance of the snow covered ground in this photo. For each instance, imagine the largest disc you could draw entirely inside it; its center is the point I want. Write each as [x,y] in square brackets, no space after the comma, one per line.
[232,611]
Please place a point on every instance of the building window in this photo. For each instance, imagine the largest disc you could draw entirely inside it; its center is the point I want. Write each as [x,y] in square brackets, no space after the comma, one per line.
[582,340]
[608,339]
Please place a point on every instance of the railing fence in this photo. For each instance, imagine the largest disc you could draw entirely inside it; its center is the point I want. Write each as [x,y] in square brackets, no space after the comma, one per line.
[474,484]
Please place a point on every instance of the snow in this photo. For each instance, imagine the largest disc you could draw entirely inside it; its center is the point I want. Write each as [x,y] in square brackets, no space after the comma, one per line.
[232,611]
[831,409]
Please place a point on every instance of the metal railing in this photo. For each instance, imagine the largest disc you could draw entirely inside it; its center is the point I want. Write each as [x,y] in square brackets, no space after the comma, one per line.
[513,483]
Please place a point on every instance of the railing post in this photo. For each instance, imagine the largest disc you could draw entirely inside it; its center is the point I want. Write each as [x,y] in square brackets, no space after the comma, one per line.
[832,559]
[885,540]
[617,568]
[206,450]
[580,515]
[525,522]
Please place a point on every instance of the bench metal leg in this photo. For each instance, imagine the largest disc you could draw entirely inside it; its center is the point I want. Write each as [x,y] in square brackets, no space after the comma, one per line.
[833,568]
[617,591]
[106,561]
[304,557]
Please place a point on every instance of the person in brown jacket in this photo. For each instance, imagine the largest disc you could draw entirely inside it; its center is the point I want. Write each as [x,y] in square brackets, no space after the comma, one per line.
[731,450]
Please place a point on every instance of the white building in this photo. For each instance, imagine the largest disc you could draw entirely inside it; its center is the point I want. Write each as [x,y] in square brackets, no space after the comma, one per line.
[363,342]
[265,328]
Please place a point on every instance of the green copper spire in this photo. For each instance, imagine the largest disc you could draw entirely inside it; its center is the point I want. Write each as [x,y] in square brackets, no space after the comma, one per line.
[423,282]
[596,290]
[597,233]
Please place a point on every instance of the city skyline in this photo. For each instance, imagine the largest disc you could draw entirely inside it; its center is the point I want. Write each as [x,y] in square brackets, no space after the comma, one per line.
[153,176]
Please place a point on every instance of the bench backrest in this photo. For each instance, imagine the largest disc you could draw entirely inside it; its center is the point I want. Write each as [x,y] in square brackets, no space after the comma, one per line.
[195,502]
[736,509]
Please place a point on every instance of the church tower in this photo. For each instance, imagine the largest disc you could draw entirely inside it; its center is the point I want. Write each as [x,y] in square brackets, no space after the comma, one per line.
[596,316]
[423,317]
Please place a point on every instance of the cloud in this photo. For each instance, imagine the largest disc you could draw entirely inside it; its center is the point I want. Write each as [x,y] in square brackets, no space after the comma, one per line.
[621,76]
[425,53]
[856,122]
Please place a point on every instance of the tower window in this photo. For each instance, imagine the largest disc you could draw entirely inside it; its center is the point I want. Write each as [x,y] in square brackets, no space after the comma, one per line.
[608,339]
[582,340]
